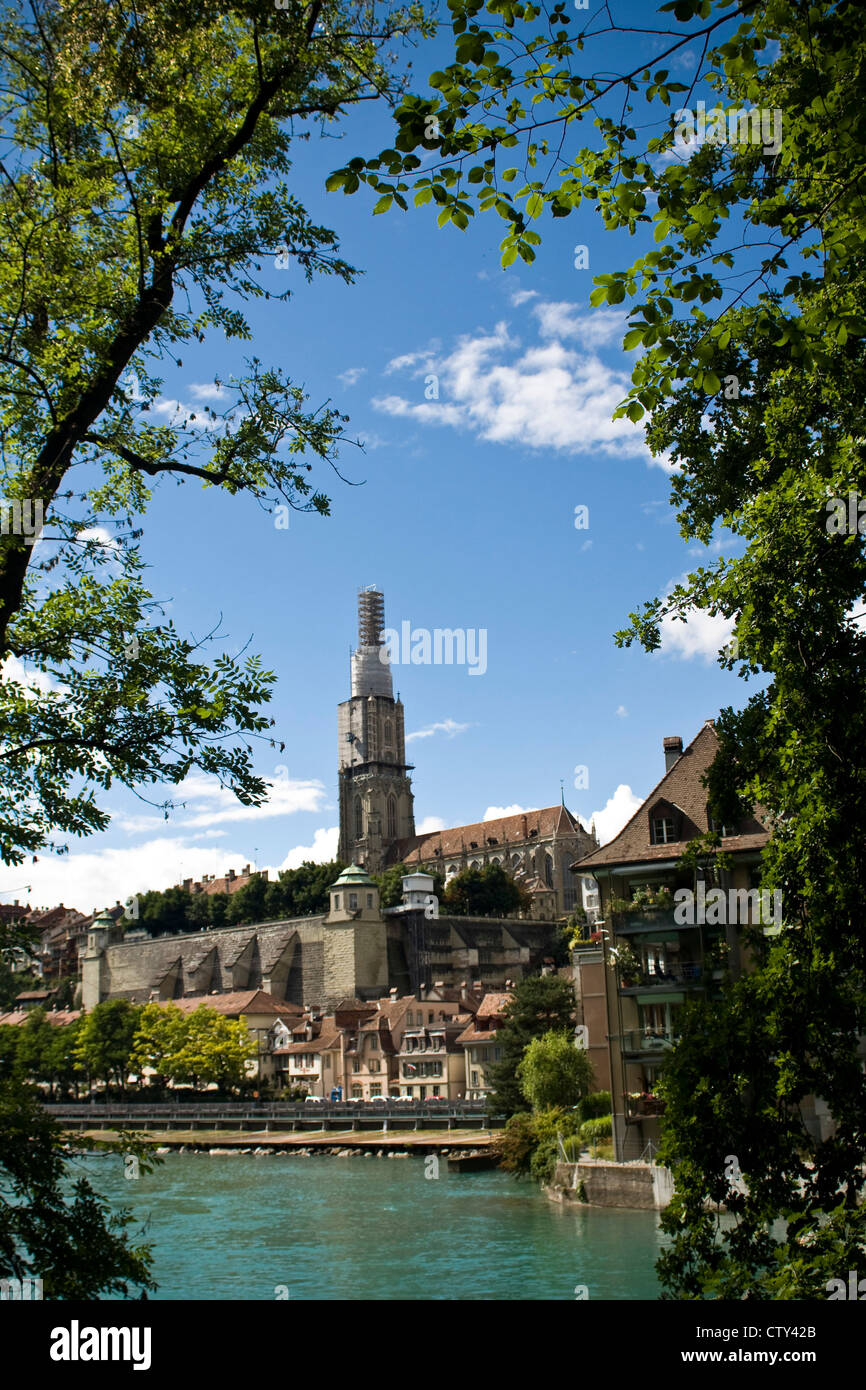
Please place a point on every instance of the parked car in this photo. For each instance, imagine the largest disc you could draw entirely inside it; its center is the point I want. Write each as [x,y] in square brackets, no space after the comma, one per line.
[317,1100]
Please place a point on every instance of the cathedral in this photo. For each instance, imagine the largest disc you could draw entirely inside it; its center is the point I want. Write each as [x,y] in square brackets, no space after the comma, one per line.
[377,821]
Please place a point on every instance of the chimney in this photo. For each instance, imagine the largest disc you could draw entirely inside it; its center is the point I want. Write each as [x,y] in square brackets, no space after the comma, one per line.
[673,747]
[230,876]
[187,883]
[245,872]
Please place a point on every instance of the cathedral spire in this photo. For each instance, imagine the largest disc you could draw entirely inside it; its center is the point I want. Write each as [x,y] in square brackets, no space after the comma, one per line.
[371,671]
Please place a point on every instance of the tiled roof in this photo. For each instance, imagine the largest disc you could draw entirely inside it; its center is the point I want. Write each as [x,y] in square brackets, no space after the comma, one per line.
[682,788]
[506,830]
[493,1004]
[471,1035]
[250,1001]
[56,1017]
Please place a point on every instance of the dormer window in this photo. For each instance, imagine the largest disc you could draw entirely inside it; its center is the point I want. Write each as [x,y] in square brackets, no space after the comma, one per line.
[663,830]
[720,827]
[665,823]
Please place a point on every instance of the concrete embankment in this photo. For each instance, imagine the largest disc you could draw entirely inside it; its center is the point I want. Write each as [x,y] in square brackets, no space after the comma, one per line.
[599,1183]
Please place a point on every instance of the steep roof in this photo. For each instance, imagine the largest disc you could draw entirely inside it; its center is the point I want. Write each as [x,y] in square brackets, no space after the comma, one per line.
[493,1004]
[683,789]
[250,1001]
[505,830]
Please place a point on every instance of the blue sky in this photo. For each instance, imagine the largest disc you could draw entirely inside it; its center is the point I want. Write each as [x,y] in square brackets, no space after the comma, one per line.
[464,514]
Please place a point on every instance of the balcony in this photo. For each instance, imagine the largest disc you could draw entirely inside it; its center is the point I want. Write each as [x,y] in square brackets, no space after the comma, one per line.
[679,976]
[643,1107]
[645,1042]
[646,919]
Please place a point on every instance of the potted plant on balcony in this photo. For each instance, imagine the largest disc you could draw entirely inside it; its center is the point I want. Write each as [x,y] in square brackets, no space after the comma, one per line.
[627,962]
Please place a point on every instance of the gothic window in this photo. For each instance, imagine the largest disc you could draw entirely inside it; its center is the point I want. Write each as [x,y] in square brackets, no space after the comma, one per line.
[392,818]
[475,864]
[359,819]
[387,733]
[516,861]
[548,870]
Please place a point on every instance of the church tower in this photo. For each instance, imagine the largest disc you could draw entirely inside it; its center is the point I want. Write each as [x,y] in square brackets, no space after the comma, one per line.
[376,805]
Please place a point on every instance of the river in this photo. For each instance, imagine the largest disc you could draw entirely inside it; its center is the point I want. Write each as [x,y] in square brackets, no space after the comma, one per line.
[328,1228]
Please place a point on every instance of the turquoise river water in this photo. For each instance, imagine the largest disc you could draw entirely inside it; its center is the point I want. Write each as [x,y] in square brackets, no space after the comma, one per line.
[332,1228]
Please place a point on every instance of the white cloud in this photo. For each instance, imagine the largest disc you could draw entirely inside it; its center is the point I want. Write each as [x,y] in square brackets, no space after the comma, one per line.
[209,804]
[429,824]
[616,812]
[702,635]
[598,328]
[410,359]
[97,878]
[443,726]
[546,396]
[100,536]
[182,416]
[621,712]
[519,297]
[351,376]
[208,391]
[321,851]
[495,812]
[35,682]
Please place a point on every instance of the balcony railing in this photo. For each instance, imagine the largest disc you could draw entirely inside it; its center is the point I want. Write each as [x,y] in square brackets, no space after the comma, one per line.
[644,1107]
[684,974]
[643,1041]
[645,919]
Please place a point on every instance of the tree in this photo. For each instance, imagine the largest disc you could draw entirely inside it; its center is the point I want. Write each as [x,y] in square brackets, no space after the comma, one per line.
[554,1073]
[158,1039]
[487,892]
[750,313]
[214,1049]
[105,1040]
[390,883]
[539,1004]
[528,1146]
[58,1230]
[146,181]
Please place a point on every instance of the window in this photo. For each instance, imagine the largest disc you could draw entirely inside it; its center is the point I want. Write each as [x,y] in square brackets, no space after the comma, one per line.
[336,900]
[392,818]
[374,1064]
[326,1062]
[387,733]
[475,1078]
[353,901]
[548,870]
[374,1042]
[430,1016]
[356,1065]
[497,1054]
[357,1092]
[359,819]
[369,899]
[437,1068]
[663,830]
[375,1091]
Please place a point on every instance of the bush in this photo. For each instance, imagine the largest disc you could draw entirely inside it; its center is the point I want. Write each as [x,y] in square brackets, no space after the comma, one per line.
[591,1131]
[593,1105]
[528,1145]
